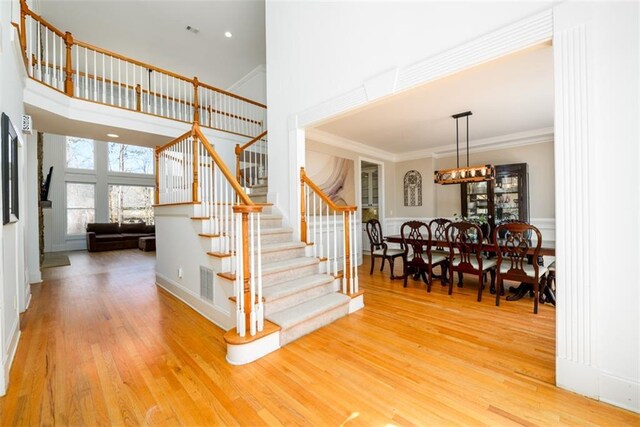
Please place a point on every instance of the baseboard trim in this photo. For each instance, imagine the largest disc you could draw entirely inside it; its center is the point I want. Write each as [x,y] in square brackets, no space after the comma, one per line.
[203,308]
[11,354]
[620,392]
[577,377]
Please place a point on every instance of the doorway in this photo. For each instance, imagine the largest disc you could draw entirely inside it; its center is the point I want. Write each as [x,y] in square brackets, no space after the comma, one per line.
[370,197]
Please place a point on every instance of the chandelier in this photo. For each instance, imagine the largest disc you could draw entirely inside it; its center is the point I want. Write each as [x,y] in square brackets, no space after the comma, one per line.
[461,175]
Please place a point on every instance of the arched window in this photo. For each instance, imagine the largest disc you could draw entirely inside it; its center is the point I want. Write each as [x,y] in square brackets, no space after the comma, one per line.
[412,188]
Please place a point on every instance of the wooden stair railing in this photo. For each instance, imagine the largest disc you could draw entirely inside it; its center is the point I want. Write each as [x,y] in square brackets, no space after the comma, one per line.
[81,70]
[319,219]
[190,171]
[255,160]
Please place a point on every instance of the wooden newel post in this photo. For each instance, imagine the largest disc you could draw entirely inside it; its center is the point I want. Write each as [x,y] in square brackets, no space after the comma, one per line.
[68,68]
[23,23]
[157,192]
[196,104]
[196,164]
[347,251]
[245,210]
[138,97]
[303,212]
[238,153]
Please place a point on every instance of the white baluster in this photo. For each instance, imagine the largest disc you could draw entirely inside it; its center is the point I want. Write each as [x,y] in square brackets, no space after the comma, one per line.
[252,277]
[260,310]
[315,226]
[240,317]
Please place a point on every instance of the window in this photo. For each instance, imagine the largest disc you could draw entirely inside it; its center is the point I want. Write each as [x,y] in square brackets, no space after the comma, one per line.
[80,206]
[80,153]
[130,203]
[130,159]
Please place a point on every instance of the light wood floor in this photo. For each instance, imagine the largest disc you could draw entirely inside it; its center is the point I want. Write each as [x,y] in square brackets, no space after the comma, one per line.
[101,344]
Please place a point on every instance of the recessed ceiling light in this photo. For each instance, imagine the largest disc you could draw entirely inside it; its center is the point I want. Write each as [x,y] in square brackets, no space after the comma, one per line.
[228,34]
[112,135]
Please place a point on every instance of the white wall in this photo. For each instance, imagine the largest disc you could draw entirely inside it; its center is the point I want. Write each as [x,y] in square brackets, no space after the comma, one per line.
[13,277]
[616,98]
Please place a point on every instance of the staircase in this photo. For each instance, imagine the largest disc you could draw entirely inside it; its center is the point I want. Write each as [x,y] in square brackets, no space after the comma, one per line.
[277,287]
[298,296]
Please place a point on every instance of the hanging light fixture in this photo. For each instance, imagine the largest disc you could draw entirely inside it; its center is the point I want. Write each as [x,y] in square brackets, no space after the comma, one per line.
[461,175]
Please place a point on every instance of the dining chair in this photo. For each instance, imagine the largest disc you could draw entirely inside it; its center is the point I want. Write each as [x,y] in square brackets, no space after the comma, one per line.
[513,258]
[438,229]
[418,258]
[465,241]
[379,247]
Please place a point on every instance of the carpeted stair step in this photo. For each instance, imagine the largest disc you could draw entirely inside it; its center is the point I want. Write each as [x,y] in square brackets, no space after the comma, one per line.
[288,269]
[304,318]
[282,250]
[281,296]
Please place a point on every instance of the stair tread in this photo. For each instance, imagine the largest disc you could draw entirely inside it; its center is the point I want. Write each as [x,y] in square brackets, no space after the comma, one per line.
[274,247]
[287,264]
[291,287]
[295,315]
[275,230]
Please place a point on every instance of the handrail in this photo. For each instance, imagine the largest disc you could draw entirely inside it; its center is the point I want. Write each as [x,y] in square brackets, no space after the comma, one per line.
[316,189]
[82,70]
[255,157]
[316,220]
[223,167]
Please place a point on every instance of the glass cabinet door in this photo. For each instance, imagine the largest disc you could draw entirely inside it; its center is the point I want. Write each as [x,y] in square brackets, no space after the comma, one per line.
[507,197]
[477,200]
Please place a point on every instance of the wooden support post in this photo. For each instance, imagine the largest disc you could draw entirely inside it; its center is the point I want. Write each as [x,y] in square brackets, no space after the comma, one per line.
[238,153]
[196,104]
[68,68]
[157,173]
[196,164]
[138,97]
[303,212]
[347,251]
[245,210]
[23,23]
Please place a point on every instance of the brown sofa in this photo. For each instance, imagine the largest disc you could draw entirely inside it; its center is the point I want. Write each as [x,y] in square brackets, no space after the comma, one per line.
[108,237]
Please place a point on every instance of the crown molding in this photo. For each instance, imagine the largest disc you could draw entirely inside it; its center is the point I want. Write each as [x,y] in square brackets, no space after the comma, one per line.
[251,74]
[348,144]
[519,139]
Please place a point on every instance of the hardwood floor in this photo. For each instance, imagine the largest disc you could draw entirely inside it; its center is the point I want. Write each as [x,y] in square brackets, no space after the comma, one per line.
[101,344]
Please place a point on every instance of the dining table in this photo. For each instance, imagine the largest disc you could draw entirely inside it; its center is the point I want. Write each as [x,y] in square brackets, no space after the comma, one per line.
[546,249]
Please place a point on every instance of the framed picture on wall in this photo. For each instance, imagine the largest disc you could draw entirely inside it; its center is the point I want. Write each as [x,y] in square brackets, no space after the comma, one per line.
[9,171]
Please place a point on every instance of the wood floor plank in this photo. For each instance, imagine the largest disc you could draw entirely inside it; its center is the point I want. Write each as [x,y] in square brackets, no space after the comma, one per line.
[103,345]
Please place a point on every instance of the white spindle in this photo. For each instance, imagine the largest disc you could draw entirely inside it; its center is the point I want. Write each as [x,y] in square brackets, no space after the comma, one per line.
[252,277]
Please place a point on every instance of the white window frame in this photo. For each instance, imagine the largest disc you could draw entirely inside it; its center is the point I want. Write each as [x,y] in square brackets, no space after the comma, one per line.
[66,208]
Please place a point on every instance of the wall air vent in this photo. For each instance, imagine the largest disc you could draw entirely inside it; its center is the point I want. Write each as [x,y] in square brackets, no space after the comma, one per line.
[27,124]
[206,284]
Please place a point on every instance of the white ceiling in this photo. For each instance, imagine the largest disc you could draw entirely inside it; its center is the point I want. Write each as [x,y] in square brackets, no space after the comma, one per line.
[154,32]
[510,95]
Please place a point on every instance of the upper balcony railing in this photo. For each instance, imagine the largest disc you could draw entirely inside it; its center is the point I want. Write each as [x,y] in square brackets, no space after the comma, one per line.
[87,72]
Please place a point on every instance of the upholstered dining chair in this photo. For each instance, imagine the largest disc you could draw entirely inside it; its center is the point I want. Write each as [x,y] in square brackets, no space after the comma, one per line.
[465,241]
[438,227]
[379,248]
[418,258]
[513,257]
